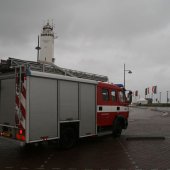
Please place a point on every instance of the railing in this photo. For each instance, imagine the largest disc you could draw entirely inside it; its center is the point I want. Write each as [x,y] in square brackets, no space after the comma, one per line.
[11,63]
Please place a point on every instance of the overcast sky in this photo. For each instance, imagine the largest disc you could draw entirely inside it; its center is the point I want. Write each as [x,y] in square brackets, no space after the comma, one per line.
[96,36]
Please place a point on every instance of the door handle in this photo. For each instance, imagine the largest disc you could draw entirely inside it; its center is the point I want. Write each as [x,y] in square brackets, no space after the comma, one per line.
[100,108]
[118,108]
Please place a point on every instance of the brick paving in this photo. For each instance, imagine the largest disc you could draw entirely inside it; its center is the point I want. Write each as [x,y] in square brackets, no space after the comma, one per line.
[104,153]
[148,154]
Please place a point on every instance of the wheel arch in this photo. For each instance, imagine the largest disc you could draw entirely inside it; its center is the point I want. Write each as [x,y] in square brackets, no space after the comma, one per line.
[123,120]
[73,125]
[69,134]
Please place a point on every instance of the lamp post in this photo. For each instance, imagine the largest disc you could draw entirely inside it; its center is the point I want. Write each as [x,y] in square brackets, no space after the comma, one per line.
[160,97]
[129,71]
[167,97]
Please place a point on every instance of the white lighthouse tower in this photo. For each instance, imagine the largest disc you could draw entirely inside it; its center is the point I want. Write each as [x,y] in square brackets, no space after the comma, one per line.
[47,44]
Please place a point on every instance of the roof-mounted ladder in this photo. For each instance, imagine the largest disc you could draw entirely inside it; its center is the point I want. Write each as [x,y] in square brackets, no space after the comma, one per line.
[52,68]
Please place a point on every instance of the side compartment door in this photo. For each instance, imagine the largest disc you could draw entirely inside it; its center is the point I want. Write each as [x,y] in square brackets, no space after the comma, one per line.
[43,109]
[87,109]
[7,101]
[68,100]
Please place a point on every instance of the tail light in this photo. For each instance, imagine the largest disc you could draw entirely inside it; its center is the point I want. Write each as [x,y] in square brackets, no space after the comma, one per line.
[20,131]
[20,134]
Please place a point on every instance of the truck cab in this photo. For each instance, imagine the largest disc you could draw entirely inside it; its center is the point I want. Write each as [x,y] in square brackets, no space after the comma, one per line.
[112,108]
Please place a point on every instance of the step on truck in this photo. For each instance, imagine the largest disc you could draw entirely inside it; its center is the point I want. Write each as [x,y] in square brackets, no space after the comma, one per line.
[38,106]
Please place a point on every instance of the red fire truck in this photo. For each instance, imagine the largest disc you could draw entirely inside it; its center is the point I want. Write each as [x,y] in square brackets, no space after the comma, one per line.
[41,101]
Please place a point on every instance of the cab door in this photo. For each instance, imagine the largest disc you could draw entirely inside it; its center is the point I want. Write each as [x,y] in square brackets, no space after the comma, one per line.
[107,106]
[122,104]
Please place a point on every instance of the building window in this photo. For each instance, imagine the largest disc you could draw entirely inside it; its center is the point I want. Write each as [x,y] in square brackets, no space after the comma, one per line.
[105,94]
[113,95]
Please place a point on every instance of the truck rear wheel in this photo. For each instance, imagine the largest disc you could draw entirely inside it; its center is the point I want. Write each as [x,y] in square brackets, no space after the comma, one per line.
[67,138]
[117,128]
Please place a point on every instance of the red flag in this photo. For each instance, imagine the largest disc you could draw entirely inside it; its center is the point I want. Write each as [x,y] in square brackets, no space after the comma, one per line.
[136,93]
[154,89]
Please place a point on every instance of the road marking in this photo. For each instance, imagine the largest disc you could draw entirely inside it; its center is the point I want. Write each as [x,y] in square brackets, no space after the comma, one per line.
[167,137]
[46,161]
[132,120]
[42,166]
[128,155]
[165,114]
[145,137]
[133,162]
[136,167]
[8,167]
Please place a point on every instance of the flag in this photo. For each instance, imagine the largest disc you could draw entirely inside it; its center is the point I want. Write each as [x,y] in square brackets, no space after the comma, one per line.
[136,93]
[146,91]
[132,93]
[154,89]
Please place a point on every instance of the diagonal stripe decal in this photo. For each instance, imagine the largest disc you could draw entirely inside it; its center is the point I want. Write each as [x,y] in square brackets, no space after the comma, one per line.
[20,98]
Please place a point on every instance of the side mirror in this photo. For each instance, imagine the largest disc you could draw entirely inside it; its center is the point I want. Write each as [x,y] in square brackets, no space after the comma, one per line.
[129,97]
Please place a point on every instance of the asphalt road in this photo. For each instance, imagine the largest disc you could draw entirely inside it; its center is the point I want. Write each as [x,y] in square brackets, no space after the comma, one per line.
[104,153]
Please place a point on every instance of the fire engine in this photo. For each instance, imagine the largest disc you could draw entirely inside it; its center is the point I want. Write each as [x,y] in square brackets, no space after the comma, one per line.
[41,101]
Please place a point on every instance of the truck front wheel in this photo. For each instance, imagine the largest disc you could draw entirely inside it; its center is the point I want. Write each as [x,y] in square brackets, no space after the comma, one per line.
[117,128]
[67,138]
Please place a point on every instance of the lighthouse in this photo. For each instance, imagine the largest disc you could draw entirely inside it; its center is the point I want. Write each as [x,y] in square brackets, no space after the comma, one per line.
[46,44]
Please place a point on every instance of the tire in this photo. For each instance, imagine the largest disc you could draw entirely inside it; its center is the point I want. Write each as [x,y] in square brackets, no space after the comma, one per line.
[117,128]
[67,138]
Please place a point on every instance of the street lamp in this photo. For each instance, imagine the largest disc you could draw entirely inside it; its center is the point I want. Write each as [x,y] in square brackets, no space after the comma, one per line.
[160,97]
[167,97]
[129,71]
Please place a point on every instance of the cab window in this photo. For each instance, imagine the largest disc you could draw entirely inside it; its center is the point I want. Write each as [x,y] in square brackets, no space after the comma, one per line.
[121,96]
[113,95]
[105,94]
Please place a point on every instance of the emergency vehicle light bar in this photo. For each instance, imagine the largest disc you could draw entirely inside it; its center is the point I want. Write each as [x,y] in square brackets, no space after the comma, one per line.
[119,85]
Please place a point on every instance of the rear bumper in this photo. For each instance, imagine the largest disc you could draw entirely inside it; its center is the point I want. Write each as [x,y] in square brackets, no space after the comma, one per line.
[12,132]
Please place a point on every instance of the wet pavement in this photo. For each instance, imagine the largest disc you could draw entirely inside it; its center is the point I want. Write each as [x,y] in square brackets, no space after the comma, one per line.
[104,153]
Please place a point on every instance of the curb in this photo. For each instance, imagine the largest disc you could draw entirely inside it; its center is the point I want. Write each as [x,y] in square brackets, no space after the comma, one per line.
[145,138]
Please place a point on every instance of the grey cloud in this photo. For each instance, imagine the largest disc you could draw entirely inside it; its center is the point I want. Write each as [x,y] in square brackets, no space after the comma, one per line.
[95,35]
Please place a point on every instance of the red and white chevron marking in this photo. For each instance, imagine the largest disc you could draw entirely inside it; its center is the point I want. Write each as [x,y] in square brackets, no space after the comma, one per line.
[20,103]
